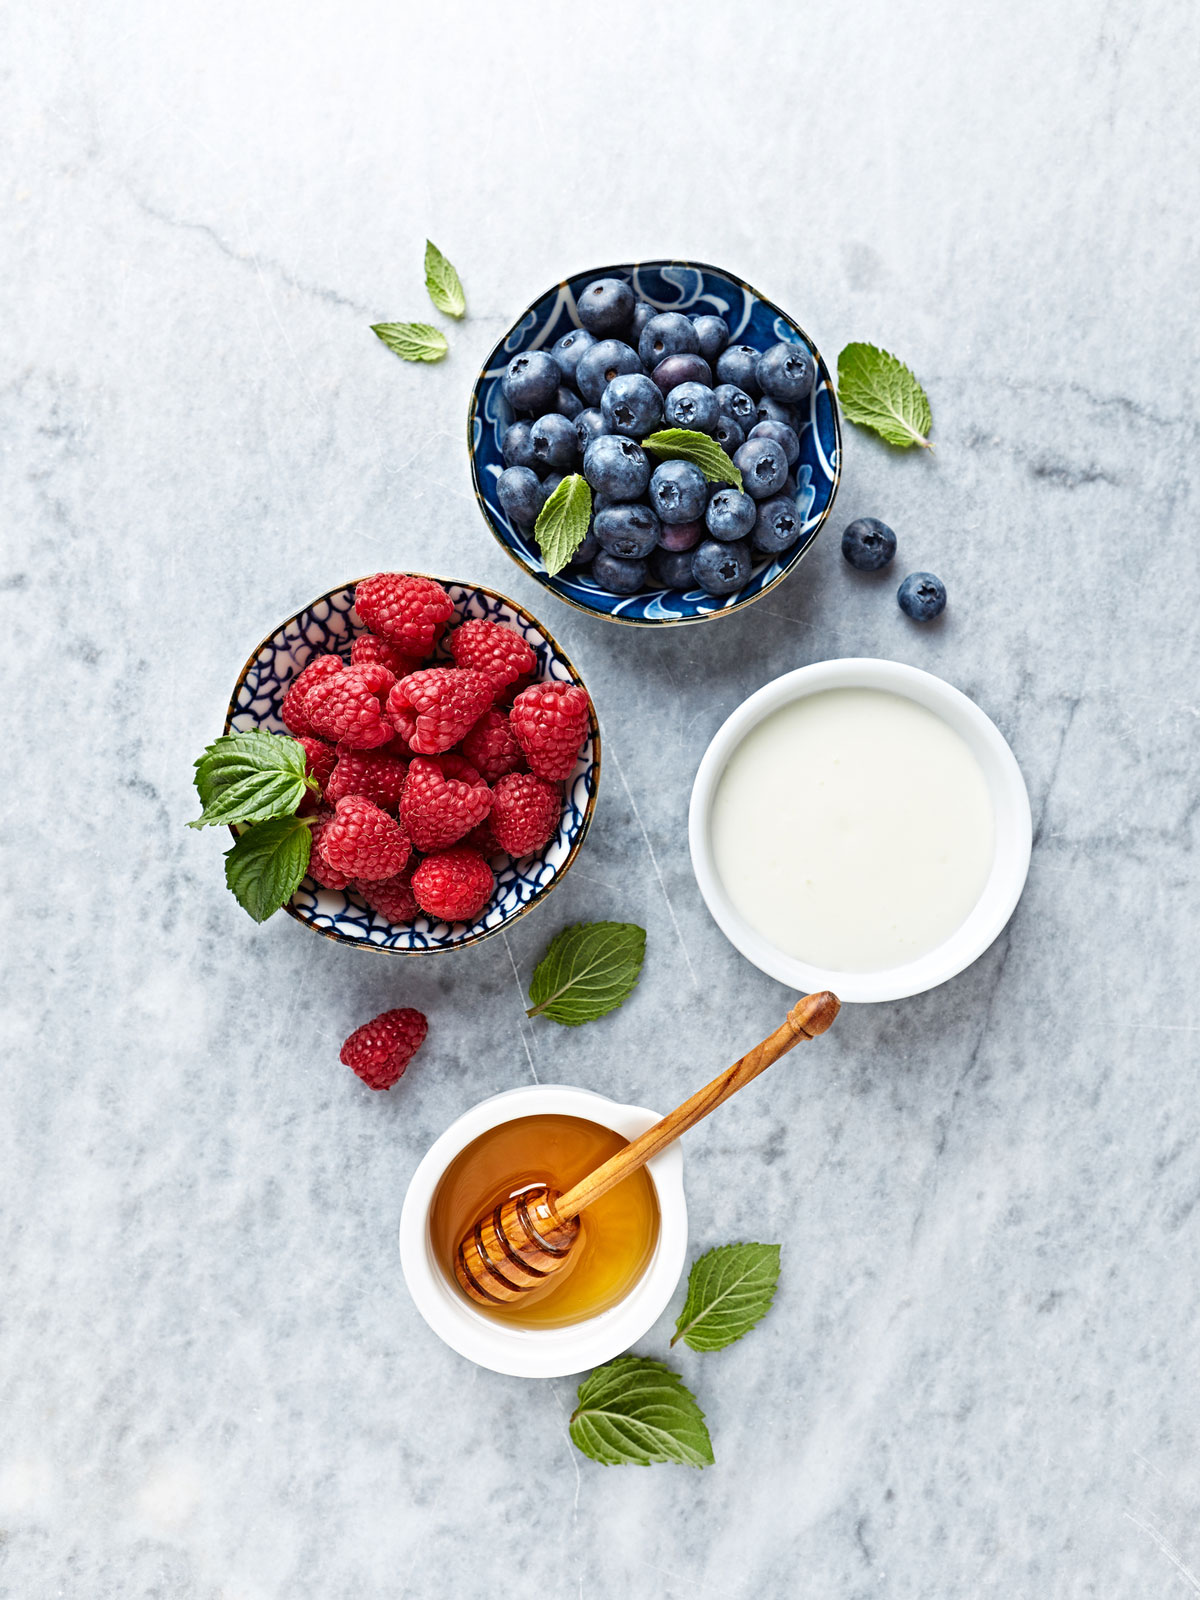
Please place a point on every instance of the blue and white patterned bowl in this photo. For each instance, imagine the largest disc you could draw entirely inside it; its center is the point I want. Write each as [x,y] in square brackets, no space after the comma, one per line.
[330,624]
[671,286]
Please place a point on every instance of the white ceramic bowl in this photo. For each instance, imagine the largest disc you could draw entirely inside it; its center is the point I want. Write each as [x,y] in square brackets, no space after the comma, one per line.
[542,1352]
[1010,803]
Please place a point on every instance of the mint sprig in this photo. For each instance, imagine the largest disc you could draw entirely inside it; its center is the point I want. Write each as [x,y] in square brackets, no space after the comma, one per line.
[563,522]
[444,285]
[266,864]
[879,392]
[635,1411]
[412,341]
[685,444]
[246,777]
[730,1290]
[589,970]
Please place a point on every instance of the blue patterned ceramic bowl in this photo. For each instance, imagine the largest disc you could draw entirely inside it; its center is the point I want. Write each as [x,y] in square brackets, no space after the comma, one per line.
[330,624]
[671,286]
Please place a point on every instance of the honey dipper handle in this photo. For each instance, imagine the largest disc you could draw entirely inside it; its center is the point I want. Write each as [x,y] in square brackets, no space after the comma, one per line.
[809,1016]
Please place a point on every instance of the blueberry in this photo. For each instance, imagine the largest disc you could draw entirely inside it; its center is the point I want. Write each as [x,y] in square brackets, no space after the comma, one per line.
[567,403]
[642,312]
[712,334]
[589,425]
[786,372]
[868,544]
[606,305]
[681,535]
[736,364]
[768,410]
[692,405]
[763,467]
[553,441]
[520,493]
[531,381]
[922,596]
[615,466]
[568,350]
[678,491]
[515,445]
[548,485]
[672,568]
[627,531]
[669,333]
[736,403]
[598,366]
[674,370]
[782,435]
[721,568]
[588,551]
[729,434]
[632,404]
[730,515]
[617,576]
[776,525]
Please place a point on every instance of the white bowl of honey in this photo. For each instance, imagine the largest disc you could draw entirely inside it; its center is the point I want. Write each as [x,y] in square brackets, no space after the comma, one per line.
[624,1269]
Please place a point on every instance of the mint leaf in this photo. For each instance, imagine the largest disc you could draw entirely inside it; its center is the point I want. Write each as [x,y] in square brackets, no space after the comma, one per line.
[412,341]
[244,777]
[589,969]
[685,444]
[267,863]
[730,1289]
[562,522]
[879,392]
[636,1411]
[444,285]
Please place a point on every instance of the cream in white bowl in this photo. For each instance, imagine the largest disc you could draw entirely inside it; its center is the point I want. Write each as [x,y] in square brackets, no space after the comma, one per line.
[542,1352]
[861,826]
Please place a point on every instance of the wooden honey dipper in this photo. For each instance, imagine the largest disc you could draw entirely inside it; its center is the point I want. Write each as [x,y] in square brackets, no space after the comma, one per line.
[530,1236]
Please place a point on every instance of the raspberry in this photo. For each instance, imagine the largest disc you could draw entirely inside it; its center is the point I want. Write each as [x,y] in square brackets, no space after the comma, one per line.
[377,777]
[484,840]
[345,707]
[392,898]
[491,747]
[550,722]
[363,841]
[411,612]
[319,868]
[380,1050]
[443,800]
[319,758]
[292,710]
[525,812]
[453,886]
[492,648]
[434,708]
[368,647]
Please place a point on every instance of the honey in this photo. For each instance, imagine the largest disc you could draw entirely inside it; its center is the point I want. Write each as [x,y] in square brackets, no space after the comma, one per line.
[618,1232]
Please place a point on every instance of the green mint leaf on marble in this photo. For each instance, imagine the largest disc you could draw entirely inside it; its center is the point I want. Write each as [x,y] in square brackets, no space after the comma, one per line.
[246,777]
[730,1290]
[685,444]
[879,392]
[563,521]
[412,341]
[589,970]
[444,285]
[635,1412]
[267,863]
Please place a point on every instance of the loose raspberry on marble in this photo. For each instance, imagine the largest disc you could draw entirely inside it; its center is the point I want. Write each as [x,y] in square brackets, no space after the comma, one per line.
[491,647]
[444,798]
[410,611]
[380,1050]
[550,723]
[364,842]
[454,885]
[490,746]
[370,773]
[526,811]
[292,709]
[434,708]
[347,707]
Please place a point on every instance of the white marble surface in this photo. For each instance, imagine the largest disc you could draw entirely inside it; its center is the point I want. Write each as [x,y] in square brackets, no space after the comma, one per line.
[979,1377]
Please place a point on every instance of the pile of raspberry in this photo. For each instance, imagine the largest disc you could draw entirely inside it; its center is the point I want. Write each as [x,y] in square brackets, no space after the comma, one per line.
[430,769]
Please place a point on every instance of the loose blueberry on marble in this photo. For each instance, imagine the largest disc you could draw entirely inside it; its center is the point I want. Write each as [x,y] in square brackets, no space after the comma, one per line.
[922,596]
[674,370]
[782,434]
[598,366]
[730,515]
[776,525]
[763,466]
[736,403]
[729,434]
[679,536]
[712,334]
[721,568]
[736,364]
[868,544]
[786,372]
[768,410]
[678,491]
[515,446]
[567,403]
[520,493]
[531,381]
[670,333]
[692,405]
[616,466]
[632,404]
[553,441]
[606,305]
[617,576]
[628,531]
[589,425]
[672,568]
[568,351]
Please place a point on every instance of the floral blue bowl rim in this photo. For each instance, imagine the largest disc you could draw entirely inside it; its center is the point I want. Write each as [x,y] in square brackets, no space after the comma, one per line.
[670,285]
[329,623]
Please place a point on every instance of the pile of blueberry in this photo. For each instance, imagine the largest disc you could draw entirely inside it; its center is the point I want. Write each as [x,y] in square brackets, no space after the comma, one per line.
[629,371]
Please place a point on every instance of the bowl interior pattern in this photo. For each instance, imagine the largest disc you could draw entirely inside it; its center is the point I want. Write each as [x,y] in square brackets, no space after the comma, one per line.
[670,286]
[330,624]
